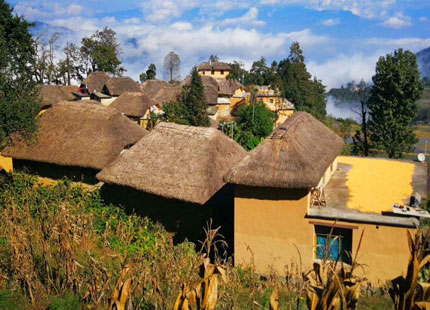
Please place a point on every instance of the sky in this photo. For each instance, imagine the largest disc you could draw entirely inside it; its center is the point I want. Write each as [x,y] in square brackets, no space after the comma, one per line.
[341,39]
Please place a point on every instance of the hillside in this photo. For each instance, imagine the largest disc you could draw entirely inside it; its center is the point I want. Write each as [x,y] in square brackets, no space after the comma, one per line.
[424,62]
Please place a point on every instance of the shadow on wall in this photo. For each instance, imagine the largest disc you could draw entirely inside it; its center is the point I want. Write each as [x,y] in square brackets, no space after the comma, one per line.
[57,172]
[185,220]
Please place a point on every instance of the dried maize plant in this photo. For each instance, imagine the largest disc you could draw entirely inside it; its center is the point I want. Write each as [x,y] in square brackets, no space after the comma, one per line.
[22,263]
[121,293]
[332,285]
[274,300]
[407,292]
[204,294]
[97,282]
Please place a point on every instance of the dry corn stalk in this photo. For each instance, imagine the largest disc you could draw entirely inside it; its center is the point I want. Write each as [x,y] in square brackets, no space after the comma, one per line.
[274,300]
[204,295]
[406,291]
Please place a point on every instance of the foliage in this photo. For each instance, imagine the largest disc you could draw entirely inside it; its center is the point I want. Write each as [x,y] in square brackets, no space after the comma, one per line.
[172,64]
[101,51]
[392,104]
[18,97]
[298,87]
[150,74]
[350,92]
[238,72]
[190,106]
[254,124]
[213,58]
[68,302]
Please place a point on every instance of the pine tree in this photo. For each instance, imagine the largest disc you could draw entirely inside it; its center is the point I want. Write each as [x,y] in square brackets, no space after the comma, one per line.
[190,106]
[393,102]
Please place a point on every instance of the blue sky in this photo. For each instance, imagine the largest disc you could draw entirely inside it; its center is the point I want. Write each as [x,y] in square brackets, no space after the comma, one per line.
[341,39]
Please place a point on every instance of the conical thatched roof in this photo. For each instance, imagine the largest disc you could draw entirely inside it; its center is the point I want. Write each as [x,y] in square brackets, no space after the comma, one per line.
[210,88]
[295,155]
[133,104]
[116,86]
[95,81]
[160,91]
[51,94]
[228,87]
[176,161]
[78,134]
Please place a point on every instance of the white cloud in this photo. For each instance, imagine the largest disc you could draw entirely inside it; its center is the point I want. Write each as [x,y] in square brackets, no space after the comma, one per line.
[344,68]
[398,21]
[182,26]
[423,19]
[34,10]
[306,38]
[331,22]
[364,8]
[249,18]
[389,45]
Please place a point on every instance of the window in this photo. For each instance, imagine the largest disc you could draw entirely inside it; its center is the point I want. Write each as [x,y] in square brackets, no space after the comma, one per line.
[204,72]
[212,71]
[271,100]
[222,72]
[339,243]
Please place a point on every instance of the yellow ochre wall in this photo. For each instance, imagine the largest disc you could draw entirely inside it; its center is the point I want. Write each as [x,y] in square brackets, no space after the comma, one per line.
[6,163]
[217,73]
[282,116]
[271,228]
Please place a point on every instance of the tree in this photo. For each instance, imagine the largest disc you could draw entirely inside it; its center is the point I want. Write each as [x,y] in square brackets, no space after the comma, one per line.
[172,64]
[298,87]
[254,124]
[18,103]
[259,73]
[238,73]
[190,106]
[150,73]
[213,58]
[100,52]
[392,103]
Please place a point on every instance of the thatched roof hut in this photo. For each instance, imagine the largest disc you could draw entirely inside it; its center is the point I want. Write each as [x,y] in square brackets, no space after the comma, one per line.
[176,161]
[51,94]
[228,87]
[132,104]
[95,81]
[116,86]
[296,155]
[210,88]
[78,134]
[160,91]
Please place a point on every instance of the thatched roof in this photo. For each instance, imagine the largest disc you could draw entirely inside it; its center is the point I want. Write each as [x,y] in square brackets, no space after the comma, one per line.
[176,161]
[228,87]
[134,104]
[214,66]
[295,155]
[210,88]
[78,134]
[116,86]
[51,94]
[160,91]
[95,81]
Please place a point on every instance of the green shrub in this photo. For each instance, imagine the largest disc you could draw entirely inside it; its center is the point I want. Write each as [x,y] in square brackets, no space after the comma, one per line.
[68,302]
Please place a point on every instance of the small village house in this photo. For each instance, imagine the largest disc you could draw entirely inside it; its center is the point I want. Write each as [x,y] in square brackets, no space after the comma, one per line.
[74,140]
[135,105]
[218,70]
[275,102]
[94,82]
[114,88]
[174,175]
[294,188]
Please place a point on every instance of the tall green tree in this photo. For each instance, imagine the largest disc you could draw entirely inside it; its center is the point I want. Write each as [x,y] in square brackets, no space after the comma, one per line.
[150,73]
[190,106]
[254,123]
[18,97]
[393,102]
[298,87]
[101,51]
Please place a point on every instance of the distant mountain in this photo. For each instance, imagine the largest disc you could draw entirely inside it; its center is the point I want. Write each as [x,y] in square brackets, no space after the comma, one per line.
[424,62]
